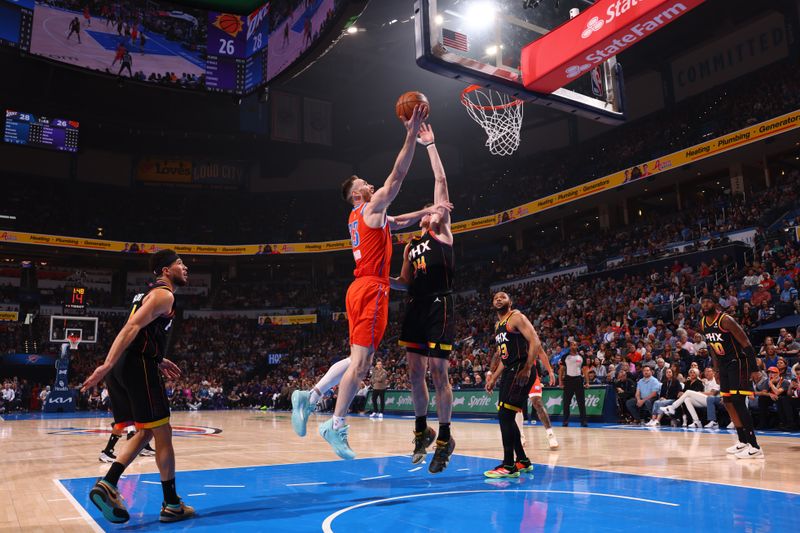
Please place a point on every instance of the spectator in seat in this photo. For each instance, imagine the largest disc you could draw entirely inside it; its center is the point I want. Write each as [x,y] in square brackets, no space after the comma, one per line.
[647,390]
[789,403]
[769,394]
[625,388]
[670,388]
[693,398]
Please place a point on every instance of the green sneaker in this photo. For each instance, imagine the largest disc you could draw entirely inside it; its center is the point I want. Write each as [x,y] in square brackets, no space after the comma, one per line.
[524,466]
[502,471]
[175,513]
[107,498]
[337,438]
[301,410]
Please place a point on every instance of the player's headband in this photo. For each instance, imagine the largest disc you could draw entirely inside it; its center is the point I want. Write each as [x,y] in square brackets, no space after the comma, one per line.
[165,262]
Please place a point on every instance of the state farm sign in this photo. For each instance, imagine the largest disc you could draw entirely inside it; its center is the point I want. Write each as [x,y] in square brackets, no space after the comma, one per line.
[596,35]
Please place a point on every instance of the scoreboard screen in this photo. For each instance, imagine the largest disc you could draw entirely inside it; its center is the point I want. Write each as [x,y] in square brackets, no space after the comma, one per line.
[41,132]
[16,20]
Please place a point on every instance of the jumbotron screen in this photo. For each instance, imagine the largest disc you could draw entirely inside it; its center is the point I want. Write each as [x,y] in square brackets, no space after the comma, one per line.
[41,132]
[168,44]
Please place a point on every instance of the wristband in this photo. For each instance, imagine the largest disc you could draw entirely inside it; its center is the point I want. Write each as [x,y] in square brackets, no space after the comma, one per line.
[429,144]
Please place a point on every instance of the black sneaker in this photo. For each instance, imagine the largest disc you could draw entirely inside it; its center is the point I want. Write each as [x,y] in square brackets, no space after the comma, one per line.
[107,457]
[147,451]
[421,443]
[175,513]
[107,498]
[441,456]
[130,435]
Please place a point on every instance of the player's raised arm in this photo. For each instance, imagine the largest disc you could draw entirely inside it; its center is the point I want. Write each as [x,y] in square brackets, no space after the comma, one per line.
[440,221]
[384,196]
[156,304]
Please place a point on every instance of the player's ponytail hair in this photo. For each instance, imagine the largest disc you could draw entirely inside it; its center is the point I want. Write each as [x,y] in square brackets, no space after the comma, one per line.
[347,187]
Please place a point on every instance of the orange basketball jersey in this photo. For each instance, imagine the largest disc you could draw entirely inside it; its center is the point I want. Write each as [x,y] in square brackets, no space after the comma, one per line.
[372,247]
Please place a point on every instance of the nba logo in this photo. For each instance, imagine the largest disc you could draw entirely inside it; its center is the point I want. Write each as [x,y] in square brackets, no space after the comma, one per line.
[597,83]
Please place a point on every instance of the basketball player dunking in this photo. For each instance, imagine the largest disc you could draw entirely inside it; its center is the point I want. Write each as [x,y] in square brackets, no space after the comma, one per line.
[513,364]
[735,365]
[429,325]
[367,302]
[131,370]
[305,402]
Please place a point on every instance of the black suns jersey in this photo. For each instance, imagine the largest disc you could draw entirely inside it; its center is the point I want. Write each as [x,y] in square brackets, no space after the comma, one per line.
[512,344]
[433,263]
[151,341]
[720,341]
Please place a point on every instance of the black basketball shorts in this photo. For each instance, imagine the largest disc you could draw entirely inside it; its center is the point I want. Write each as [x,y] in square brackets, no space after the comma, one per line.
[512,395]
[734,377]
[429,326]
[137,393]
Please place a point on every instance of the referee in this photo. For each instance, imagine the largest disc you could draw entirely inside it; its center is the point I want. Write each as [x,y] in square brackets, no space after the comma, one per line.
[575,366]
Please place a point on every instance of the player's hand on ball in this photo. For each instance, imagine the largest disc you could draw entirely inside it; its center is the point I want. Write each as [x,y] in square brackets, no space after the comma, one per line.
[425,134]
[419,116]
[169,369]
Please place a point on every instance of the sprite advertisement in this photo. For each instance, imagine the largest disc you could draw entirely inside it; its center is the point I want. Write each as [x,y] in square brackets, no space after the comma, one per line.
[480,402]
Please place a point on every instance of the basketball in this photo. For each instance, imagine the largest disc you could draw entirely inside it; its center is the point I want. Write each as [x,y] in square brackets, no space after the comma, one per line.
[406,103]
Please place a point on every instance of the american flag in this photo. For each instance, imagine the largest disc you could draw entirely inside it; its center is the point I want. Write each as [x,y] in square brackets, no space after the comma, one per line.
[455,40]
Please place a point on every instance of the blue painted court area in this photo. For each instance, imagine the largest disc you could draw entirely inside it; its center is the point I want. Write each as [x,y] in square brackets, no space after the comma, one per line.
[392,495]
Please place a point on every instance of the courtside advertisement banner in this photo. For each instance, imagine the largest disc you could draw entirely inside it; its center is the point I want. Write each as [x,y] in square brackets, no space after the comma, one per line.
[287,320]
[599,33]
[480,402]
[698,152]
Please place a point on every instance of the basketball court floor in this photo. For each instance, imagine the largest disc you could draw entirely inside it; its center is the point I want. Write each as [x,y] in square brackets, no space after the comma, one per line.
[246,470]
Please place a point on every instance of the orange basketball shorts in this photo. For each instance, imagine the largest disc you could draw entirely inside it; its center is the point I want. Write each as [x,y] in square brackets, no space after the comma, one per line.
[536,390]
[367,306]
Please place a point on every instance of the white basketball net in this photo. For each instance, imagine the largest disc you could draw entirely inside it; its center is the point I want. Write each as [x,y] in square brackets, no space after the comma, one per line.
[499,114]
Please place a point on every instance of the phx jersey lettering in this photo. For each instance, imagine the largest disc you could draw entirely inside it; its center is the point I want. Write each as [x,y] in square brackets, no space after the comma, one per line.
[367,300]
[513,348]
[134,384]
[734,369]
[429,323]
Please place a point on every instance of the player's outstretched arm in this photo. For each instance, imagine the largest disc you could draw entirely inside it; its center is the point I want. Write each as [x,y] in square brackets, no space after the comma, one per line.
[441,194]
[408,219]
[156,304]
[401,282]
[384,196]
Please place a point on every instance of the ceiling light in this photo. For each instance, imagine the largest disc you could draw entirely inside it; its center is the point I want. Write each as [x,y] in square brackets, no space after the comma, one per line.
[438,20]
[352,29]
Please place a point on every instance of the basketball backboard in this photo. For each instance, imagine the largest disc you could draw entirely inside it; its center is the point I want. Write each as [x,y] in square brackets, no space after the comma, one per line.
[480,42]
[62,326]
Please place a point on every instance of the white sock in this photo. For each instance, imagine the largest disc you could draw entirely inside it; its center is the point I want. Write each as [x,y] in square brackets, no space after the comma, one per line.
[314,397]
[549,432]
[338,422]
[331,378]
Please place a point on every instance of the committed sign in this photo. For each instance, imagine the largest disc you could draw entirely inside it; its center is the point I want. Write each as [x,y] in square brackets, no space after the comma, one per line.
[596,35]
[9,316]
